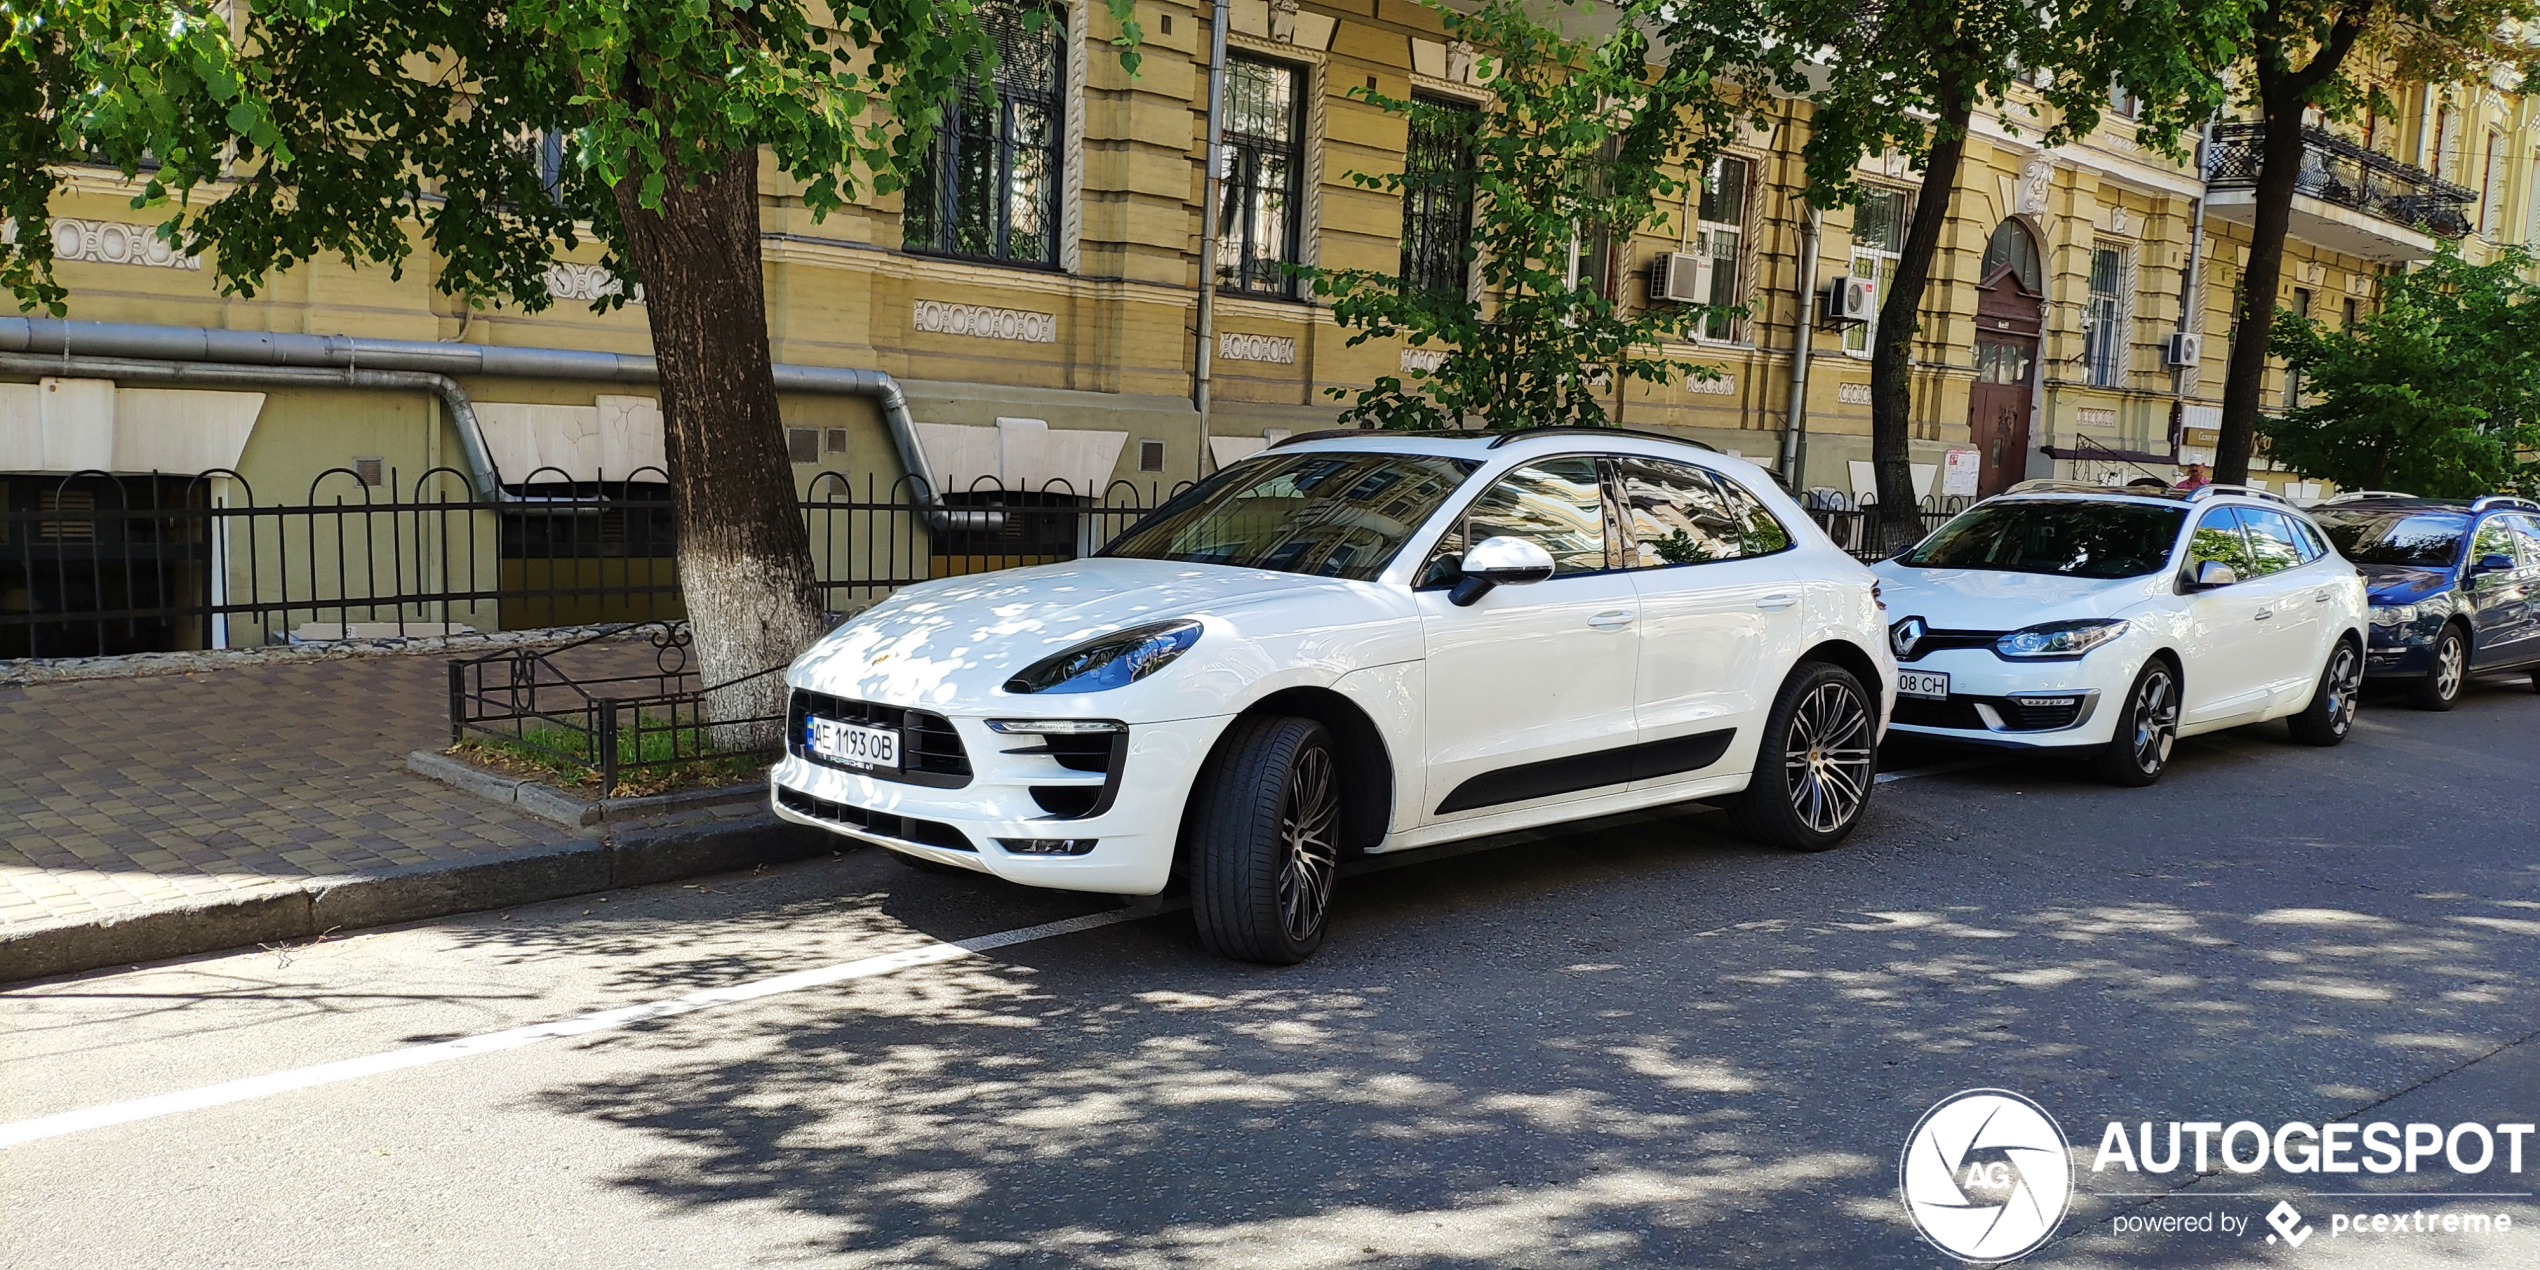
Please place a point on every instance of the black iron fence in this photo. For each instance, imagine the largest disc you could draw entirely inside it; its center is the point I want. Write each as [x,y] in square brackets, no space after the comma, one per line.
[2335,170]
[96,564]
[607,707]
[1854,523]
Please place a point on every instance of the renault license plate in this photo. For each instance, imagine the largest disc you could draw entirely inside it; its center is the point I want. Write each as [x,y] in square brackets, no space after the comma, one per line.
[1931,685]
[853,743]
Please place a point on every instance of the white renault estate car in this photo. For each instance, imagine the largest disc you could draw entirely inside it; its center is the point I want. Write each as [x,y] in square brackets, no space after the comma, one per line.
[1356,643]
[2111,622]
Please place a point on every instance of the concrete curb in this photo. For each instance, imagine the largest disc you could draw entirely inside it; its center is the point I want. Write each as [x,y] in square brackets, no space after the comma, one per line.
[549,803]
[626,854]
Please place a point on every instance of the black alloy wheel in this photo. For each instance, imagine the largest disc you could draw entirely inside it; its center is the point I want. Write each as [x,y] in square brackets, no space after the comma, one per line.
[1265,841]
[1816,766]
[2331,714]
[2148,730]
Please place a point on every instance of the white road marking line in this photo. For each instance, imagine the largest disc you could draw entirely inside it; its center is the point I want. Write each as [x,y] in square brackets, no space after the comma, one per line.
[52,1126]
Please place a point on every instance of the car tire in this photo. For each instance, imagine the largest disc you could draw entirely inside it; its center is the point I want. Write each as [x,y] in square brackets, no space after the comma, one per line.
[1816,765]
[2147,729]
[2440,687]
[2331,713]
[1265,842]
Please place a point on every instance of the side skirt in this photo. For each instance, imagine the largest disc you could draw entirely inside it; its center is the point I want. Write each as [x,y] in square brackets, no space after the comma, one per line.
[1622,765]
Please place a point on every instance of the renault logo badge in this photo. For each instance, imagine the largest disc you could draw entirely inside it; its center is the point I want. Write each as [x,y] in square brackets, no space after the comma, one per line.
[1904,635]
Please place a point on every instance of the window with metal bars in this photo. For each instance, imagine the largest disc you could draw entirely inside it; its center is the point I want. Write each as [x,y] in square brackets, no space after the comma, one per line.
[1437,197]
[1260,168]
[2104,319]
[990,190]
[1722,231]
[1878,239]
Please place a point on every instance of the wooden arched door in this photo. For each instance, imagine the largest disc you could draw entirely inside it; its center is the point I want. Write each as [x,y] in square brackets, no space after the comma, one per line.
[2010,311]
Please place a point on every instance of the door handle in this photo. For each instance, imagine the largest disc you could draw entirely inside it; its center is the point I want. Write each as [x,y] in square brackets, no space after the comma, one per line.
[2266,614]
[2322,597]
[1611,621]
[1777,601]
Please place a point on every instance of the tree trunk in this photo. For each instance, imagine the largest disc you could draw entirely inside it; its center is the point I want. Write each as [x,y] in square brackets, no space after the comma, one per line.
[1892,348]
[744,556]
[2280,163]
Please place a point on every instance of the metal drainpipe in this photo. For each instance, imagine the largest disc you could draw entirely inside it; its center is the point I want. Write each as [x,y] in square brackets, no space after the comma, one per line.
[205,355]
[2188,283]
[1211,164]
[1795,421]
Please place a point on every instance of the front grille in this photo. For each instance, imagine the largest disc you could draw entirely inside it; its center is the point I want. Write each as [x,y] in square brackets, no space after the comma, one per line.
[933,833]
[1959,711]
[1940,641]
[930,750]
[2037,717]
[1956,712]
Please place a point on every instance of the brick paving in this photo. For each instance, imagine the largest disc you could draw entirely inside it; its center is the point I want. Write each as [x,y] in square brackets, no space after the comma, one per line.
[117,795]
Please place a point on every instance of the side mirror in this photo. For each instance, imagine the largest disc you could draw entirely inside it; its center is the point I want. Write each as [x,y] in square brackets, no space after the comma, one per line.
[2212,574]
[1501,561]
[2492,563]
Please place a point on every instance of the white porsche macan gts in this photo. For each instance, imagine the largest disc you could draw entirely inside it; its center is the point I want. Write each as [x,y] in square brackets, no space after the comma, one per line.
[1357,643]
[2109,623]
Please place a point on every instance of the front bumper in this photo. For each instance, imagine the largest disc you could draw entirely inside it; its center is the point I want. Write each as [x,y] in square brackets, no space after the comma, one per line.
[1134,833]
[2020,705]
[2399,652]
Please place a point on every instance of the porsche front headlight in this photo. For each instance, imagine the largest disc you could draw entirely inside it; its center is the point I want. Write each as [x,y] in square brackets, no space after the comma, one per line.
[1109,661]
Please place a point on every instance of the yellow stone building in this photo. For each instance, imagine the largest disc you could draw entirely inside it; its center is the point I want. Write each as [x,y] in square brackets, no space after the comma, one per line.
[1036,294]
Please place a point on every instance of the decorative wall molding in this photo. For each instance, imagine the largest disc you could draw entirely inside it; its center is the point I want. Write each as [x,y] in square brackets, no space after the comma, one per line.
[2036,177]
[2094,417]
[1852,394]
[117,243]
[1423,359]
[1071,216]
[1724,386]
[1236,346]
[566,281]
[981,322]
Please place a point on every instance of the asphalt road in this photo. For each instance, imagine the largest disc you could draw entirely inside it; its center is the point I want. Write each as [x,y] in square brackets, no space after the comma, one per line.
[1639,1043]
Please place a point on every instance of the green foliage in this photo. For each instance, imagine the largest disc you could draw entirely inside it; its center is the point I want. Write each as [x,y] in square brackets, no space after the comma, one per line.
[337,127]
[1893,75]
[1582,142]
[2437,394]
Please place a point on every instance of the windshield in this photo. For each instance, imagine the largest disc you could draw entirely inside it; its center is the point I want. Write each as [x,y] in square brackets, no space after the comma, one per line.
[1333,515]
[2428,539]
[2075,540]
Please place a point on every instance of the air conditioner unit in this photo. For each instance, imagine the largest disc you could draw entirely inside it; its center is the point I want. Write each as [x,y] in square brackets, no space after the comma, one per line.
[1850,300]
[2182,349]
[1681,276]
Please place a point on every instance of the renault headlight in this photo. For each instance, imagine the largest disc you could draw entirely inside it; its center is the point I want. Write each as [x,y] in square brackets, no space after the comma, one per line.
[2060,639]
[1110,661]
[2394,614]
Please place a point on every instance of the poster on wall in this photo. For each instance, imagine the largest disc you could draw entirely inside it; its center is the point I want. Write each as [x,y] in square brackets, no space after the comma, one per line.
[1958,472]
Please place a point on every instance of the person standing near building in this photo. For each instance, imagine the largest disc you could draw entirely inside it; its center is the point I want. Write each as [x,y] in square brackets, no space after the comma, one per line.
[2195,478]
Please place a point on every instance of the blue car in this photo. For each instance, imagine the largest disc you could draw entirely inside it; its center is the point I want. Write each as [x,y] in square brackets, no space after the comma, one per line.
[2455,587]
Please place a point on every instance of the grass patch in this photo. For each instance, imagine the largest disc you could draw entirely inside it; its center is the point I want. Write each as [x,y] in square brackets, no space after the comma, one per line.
[541,754]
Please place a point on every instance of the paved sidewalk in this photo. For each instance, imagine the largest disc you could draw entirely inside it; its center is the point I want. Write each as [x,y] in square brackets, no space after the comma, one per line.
[125,798]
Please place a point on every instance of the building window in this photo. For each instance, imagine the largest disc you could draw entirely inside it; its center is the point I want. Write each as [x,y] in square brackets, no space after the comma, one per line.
[1437,205]
[1722,231]
[1878,236]
[2491,195]
[2105,319]
[2123,104]
[2445,160]
[990,190]
[1260,167]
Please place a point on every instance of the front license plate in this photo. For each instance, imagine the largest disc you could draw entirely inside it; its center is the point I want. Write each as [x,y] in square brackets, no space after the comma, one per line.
[1930,684]
[853,743]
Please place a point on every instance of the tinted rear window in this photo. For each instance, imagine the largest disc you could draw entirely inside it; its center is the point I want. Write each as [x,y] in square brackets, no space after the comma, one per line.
[2075,540]
[2429,539]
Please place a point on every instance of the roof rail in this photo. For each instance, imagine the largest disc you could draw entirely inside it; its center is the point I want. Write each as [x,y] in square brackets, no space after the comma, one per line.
[2244,491]
[1334,434]
[2057,485]
[1526,434]
[2357,495]
[2502,500]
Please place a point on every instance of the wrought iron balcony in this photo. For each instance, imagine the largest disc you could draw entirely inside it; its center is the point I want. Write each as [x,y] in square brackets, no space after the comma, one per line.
[2339,172]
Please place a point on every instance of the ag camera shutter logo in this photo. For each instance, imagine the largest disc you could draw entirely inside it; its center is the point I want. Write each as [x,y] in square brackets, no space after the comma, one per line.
[1986,1175]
